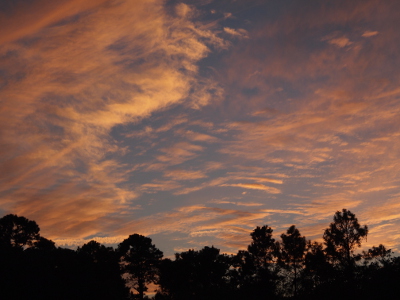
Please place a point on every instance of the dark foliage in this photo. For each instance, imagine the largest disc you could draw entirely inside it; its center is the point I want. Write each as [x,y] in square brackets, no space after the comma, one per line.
[342,237]
[257,269]
[291,258]
[196,275]
[17,232]
[140,260]
[31,267]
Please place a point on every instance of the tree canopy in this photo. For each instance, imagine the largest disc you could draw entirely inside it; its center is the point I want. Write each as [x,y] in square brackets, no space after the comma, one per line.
[18,232]
[292,267]
[343,236]
[139,261]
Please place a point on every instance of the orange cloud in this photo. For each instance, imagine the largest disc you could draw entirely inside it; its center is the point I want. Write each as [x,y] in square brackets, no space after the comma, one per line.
[71,82]
[369,33]
[200,137]
[27,18]
[184,174]
[106,109]
[179,153]
[340,42]
[255,186]
[239,32]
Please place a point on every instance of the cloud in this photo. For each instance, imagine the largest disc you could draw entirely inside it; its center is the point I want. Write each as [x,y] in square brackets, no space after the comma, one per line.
[19,20]
[255,186]
[332,120]
[160,185]
[184,174]
[175,122]
[340,42]
[265,179]
[369,33]
[325,127]
[265,111]
[379,188]
[200,137]
[107,108]
[325,207]
[179,153]
[238,33]
[386,211]
[283,211]
[249,204]
[183,10]
[211,183]
[77,70]
[214,165]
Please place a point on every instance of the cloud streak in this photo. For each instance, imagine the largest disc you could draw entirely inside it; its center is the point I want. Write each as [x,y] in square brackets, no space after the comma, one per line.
[199,121]
[77,78]
[255,186]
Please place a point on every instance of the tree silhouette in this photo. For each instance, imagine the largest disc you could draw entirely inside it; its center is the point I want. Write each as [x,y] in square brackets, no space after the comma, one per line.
[291,254]
[378,256]
[196,275]
[21,268]
[256,268]
[317,269]
[342,237]
[101,271]
[31,267]
[18,232]
[262,248]
[139,262]
[96,252]
[44,244]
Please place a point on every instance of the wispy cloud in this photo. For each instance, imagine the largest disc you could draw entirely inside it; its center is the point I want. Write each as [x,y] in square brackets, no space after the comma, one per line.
[239,32]
[184,174]
[179,153]
[255,186]
[340,42]
[369,33]
[136,116]
[76,79]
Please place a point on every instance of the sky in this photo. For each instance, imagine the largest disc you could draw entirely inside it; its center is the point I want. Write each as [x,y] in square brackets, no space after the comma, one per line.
[194,122]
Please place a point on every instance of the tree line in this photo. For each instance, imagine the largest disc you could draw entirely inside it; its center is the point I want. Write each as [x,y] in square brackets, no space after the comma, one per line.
[32,267]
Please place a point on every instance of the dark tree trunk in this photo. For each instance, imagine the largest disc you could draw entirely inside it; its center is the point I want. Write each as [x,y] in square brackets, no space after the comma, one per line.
[141,289]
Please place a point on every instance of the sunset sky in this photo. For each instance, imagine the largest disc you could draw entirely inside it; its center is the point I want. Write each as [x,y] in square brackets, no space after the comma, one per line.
[194,122]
